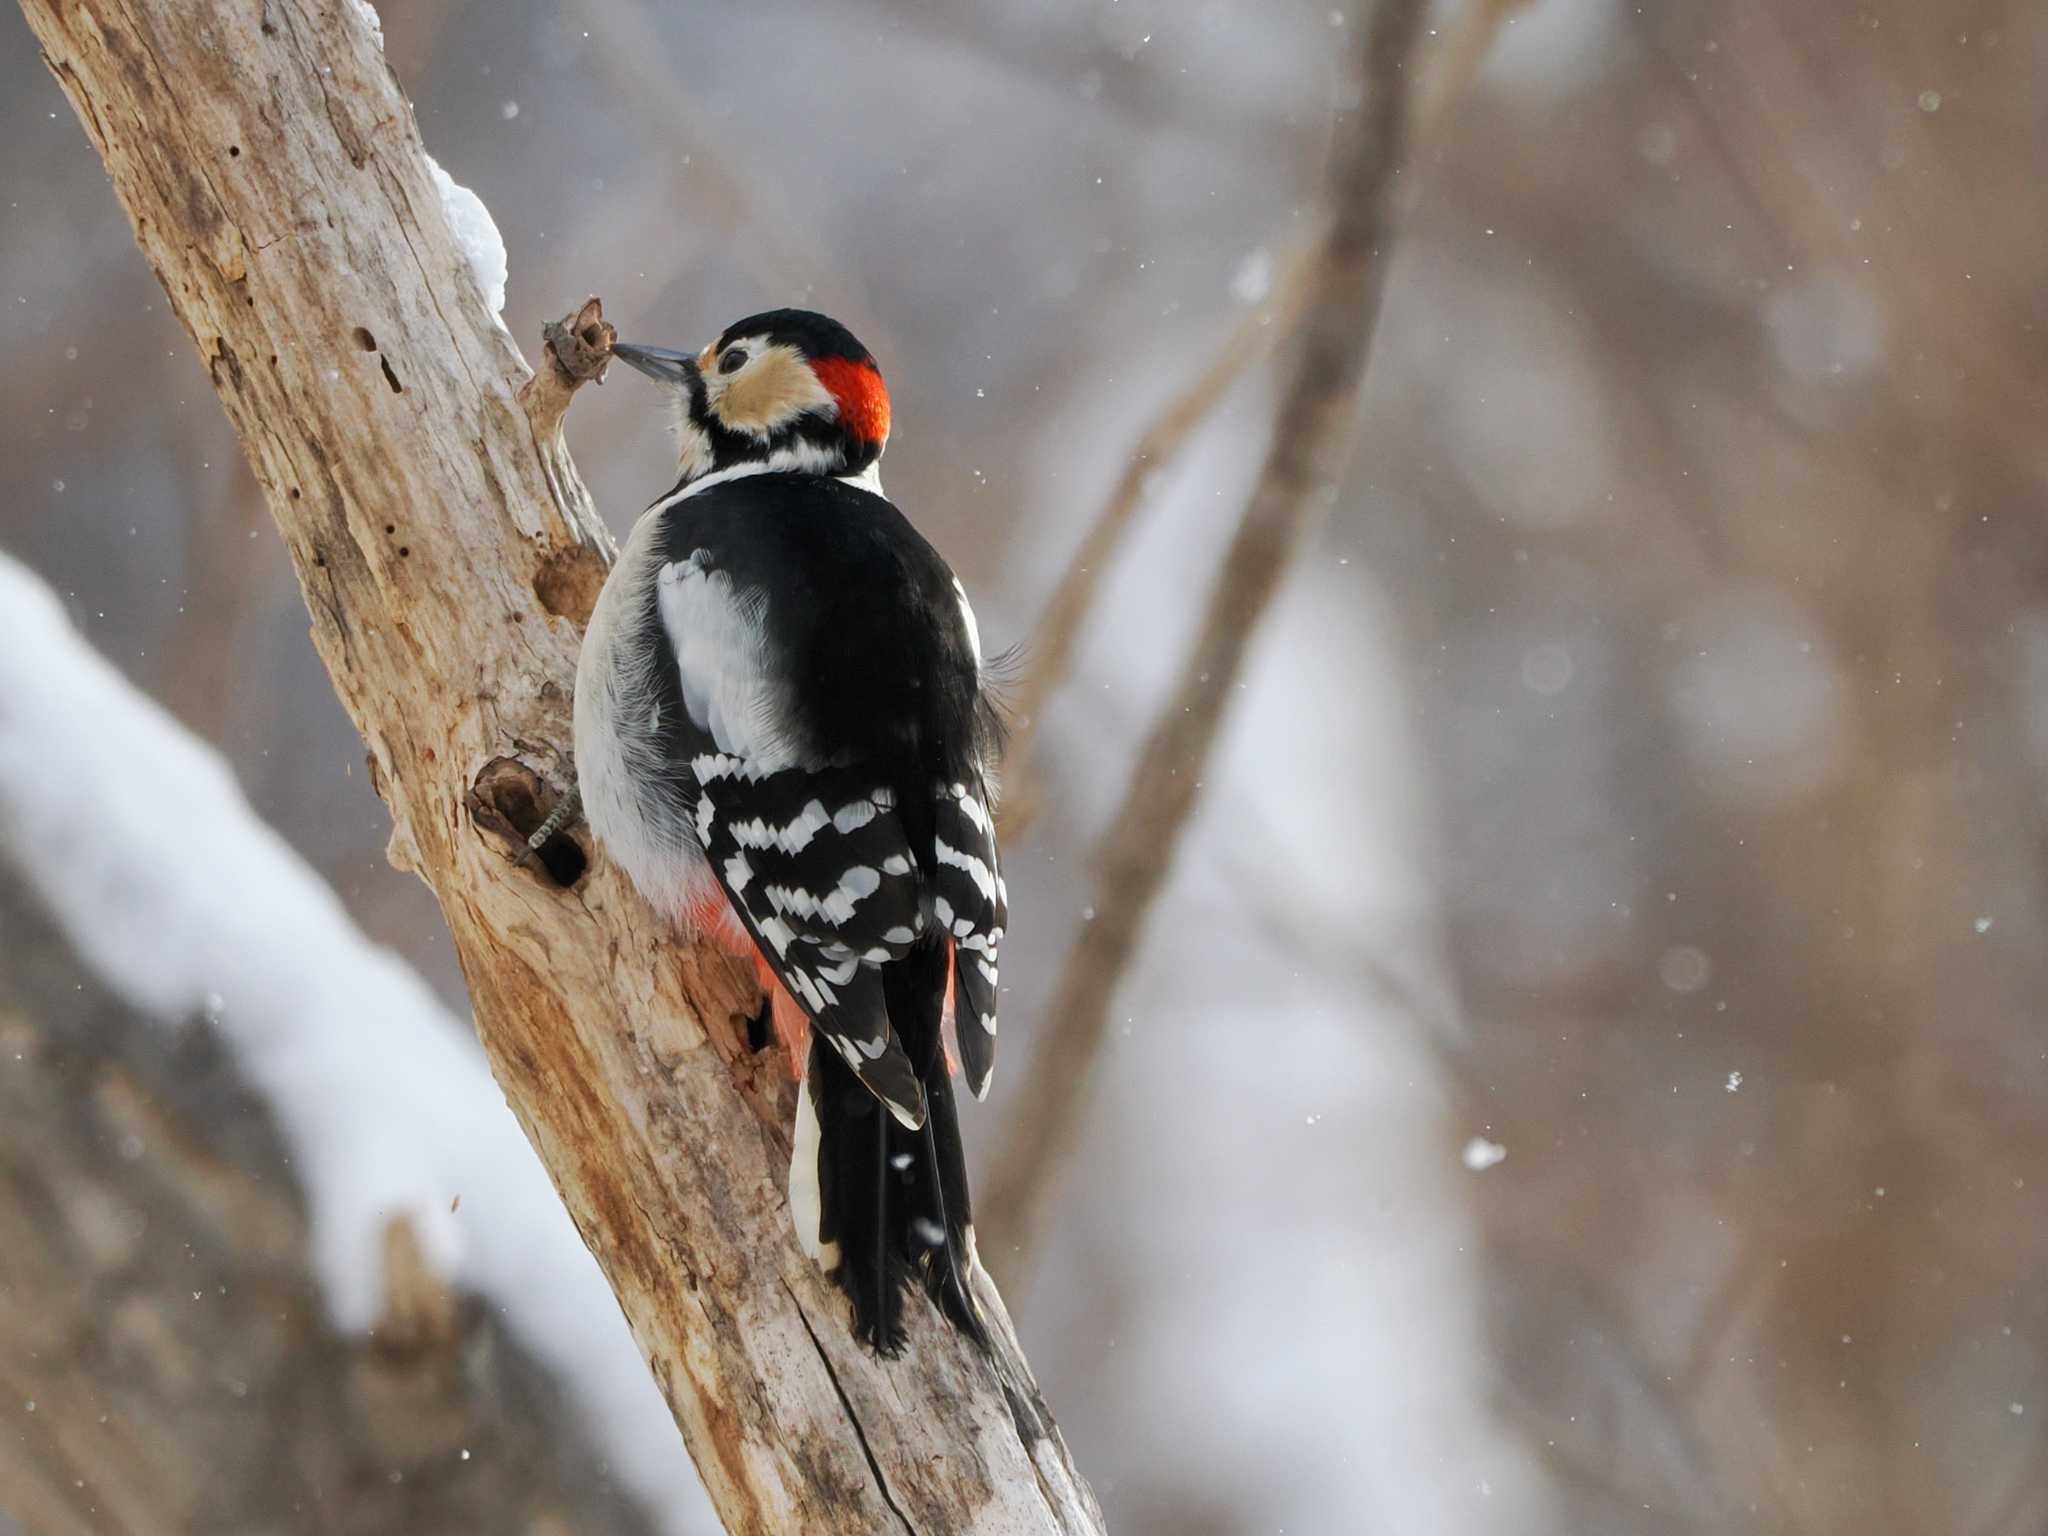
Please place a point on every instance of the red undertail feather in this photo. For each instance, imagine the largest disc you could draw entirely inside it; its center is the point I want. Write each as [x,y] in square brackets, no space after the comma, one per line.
[711,916]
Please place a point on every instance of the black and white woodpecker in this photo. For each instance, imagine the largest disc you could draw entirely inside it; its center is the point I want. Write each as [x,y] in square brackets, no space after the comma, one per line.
[785,737]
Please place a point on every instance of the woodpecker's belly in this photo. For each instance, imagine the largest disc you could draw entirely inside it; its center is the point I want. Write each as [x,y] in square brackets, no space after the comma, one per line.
[622,749]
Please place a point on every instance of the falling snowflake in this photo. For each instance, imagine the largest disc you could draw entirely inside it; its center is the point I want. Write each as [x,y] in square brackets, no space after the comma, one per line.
[1481,1154]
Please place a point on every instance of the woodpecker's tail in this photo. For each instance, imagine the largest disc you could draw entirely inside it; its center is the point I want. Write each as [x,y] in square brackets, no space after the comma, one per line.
[877,1204]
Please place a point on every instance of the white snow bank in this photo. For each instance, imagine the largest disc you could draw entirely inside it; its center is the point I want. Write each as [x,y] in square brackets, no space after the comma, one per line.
[138,839]
[475,234]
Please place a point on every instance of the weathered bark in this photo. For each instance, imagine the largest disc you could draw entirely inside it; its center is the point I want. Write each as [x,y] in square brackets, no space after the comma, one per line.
[164,1360]
[275,179]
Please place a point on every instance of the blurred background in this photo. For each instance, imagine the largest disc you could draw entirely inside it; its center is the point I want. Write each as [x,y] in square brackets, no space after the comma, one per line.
[1588,1070]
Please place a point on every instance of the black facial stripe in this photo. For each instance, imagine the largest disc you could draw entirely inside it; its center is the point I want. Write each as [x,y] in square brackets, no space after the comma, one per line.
[845,455]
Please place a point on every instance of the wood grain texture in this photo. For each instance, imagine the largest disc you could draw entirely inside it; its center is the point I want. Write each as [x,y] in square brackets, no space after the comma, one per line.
[275,179]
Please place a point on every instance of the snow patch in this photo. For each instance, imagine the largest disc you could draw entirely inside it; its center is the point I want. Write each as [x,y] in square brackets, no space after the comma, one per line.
[137,838]
[475,235]
[366,13]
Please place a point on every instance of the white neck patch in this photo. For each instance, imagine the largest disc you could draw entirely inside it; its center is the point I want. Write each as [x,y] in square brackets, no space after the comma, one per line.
[869,479]
[803,458]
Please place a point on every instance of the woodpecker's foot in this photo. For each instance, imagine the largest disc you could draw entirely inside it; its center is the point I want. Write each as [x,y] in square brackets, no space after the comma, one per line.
[567,812]
[549,847]
[529,819]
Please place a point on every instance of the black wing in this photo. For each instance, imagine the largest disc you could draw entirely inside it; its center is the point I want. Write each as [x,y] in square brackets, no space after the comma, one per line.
[816,864]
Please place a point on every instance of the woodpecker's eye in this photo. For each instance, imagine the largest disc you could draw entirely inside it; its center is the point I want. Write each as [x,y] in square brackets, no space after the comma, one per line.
[734,360]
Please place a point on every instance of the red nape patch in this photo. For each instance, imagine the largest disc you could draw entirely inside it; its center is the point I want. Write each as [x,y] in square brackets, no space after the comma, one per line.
[863,398]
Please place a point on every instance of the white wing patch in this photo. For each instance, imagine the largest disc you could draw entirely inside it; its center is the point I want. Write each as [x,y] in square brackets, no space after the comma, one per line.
[727,690]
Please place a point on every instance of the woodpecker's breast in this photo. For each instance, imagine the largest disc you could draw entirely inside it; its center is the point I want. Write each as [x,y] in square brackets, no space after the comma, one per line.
[630,728]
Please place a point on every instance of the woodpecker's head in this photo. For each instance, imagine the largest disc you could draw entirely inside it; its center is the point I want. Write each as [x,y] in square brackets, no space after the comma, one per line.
[789,389]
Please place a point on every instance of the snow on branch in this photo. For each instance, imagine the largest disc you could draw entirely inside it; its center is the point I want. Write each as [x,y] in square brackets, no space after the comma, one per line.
[476,234]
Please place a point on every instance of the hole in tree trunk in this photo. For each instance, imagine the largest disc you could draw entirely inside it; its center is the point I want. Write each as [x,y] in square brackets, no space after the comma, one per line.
[508,802]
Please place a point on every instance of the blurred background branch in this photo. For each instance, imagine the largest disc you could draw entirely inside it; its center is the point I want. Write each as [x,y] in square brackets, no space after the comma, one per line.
[1049,657]
[1274,319]
[1140,845]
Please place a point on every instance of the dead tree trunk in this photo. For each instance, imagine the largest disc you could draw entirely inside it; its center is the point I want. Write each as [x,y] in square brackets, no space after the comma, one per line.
[275,179]
[165,1362]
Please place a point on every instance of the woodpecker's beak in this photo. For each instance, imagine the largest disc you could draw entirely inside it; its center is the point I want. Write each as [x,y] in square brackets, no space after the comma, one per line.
[658,363]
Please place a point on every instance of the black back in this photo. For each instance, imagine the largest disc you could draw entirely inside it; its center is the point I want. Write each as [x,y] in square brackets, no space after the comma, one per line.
[869,626]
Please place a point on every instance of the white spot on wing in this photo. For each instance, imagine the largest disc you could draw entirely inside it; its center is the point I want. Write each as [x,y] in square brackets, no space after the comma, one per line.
[972,808]
[849,818]
[793,837]
[977,871]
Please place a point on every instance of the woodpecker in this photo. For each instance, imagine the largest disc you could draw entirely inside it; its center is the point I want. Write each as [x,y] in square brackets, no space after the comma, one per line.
[785,736]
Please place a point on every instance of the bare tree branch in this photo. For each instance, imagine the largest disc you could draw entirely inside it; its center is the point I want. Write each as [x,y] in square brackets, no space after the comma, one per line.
[1057,634]
[275,180]
[1311,441]
[1059,629]
[1455,65]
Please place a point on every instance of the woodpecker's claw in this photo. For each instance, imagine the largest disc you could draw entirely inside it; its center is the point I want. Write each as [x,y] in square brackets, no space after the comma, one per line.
[565,814]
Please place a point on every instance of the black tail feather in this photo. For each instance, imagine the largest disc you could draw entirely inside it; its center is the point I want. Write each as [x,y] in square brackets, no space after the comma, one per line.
[948,1266]
[892,1202]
